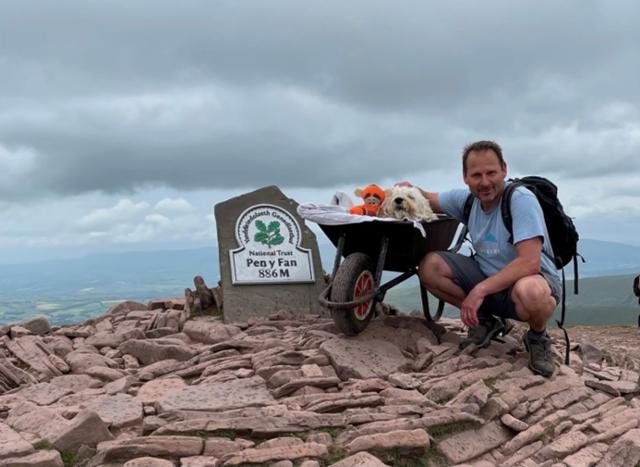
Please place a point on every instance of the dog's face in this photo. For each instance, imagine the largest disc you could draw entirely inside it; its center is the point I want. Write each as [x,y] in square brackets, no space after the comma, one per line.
[402,202]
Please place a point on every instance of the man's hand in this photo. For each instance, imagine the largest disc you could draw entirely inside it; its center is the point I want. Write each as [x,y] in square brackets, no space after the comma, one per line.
[470,306]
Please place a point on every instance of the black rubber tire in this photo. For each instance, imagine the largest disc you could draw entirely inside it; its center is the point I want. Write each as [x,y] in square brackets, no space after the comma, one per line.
[343,290]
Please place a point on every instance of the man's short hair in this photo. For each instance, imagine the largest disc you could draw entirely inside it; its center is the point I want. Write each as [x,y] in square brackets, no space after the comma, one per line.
[481,146]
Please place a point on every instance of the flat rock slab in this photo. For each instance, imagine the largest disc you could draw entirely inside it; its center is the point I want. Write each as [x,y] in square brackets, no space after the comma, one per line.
[362,459]
[158,389]
[357,358]
[119,410]
[148,462]
[152,446]
[44,458]
[255,455]
[625,451]
[154,351]
[42,421]
[469,444]
[75,383]
[12,444]
[616,388]
[234,394]
[200,461]
[400,439]
[32,351]
[86,428]
[44,393]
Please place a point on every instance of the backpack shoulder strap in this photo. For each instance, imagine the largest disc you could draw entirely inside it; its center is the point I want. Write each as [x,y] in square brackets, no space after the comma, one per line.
[468,204]
[505,206]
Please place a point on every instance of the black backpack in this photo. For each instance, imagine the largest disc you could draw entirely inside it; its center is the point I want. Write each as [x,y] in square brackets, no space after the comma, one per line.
[562,231]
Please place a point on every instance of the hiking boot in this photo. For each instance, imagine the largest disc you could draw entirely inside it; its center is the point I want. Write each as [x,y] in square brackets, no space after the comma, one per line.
[540,359]
[481,335]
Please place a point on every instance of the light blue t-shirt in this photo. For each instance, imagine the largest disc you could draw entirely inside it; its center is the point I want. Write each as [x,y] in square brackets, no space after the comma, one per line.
[490,237]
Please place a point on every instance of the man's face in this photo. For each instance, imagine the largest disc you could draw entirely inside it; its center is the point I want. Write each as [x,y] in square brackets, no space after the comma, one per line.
[485,177]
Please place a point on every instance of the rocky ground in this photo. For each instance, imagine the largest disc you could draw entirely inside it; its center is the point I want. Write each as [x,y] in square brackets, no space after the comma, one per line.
[146,385]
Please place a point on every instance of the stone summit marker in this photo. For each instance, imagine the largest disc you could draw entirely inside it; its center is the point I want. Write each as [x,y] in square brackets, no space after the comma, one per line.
[269,259]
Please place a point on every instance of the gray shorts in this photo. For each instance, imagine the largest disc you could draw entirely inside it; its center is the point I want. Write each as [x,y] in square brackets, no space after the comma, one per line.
[467,273]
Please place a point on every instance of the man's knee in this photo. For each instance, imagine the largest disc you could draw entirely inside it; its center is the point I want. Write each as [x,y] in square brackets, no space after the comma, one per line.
[433,267]
[533,294]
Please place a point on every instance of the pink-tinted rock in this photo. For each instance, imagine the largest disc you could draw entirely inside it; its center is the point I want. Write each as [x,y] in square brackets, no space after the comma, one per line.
[80,360]
[625,451]
[587,456]
[44,393]
[156,350]
[86,428]
[219,447]
[513,423]
[364,358]
[232,394]
[43,458]
[75,383]
[209,331]
[200,461]
[12,444]
[361,459]
[152,446]
[158,389]
[149,462]
[119,410]
[469,444]
[402,439]
[289,452]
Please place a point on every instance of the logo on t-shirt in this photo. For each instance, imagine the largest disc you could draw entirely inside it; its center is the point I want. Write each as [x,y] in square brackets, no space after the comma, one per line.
[488,246]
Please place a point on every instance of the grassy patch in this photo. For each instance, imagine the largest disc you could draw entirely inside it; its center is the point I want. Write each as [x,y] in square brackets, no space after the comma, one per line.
[491,382]
[402,458]
[44,444]
[440,431]
[434,458]
[231,434]
[335,454]
[69,458]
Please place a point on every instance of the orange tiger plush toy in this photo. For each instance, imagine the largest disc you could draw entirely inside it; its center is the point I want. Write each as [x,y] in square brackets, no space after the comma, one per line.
[373,196]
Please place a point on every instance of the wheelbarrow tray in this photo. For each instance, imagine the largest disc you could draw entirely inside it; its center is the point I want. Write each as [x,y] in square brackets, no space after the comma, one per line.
[406,246]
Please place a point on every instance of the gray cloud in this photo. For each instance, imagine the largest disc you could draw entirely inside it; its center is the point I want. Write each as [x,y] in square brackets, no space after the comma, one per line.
[119,96]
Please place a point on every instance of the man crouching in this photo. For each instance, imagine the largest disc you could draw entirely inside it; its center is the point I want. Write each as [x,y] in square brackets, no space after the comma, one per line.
[506,278]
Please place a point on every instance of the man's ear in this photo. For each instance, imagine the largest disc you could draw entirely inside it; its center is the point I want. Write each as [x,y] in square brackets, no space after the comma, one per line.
[358,192]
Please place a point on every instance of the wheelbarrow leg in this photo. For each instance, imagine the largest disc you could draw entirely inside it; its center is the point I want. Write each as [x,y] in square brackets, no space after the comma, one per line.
[339,250]
[437,329]
[384,247]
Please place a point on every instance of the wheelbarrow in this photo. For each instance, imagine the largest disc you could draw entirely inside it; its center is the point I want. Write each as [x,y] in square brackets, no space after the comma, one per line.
[368,248]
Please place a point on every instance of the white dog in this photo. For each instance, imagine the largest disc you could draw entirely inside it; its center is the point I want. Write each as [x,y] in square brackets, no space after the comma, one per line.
[403,202]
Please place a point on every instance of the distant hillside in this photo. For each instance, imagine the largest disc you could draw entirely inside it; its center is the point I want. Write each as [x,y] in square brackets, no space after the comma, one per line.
[70,290]
[602,300]
[607,258]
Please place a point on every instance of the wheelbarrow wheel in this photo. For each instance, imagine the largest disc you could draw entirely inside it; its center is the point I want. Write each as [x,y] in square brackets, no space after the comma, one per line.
[354,278]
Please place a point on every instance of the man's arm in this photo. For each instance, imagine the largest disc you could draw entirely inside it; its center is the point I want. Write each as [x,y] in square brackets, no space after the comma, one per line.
[431,196]
[527,263]
[433,199]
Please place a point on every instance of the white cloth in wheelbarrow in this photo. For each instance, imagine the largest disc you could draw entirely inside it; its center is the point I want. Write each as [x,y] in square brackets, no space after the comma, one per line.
[339,215]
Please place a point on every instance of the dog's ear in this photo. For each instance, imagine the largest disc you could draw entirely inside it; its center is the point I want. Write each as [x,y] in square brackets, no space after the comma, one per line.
[358,192]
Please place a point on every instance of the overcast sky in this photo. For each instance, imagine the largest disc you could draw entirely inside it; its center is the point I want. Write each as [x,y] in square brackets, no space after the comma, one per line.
[123,122]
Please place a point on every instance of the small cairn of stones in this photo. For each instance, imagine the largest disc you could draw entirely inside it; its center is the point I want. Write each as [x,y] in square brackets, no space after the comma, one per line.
[203,299]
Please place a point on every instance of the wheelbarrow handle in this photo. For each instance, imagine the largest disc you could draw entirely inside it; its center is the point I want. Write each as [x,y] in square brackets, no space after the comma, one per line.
[329,304]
